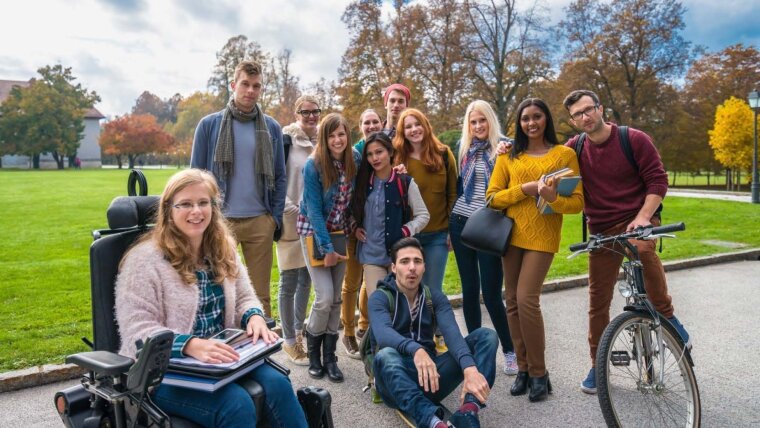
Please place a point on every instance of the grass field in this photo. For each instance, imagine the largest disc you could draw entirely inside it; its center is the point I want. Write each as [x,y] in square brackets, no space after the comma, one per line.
[49,215]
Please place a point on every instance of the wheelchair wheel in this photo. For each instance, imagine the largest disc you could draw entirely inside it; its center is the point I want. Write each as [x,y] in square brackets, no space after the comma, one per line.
[643,381]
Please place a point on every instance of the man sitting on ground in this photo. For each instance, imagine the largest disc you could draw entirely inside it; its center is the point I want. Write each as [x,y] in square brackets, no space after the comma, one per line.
[408,374]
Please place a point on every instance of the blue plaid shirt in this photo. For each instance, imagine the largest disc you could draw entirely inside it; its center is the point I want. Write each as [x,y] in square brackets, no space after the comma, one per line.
[209,319]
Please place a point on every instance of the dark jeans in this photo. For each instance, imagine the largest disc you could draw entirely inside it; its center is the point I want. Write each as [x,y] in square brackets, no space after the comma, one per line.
[396,376]
[479,270]
[231,406]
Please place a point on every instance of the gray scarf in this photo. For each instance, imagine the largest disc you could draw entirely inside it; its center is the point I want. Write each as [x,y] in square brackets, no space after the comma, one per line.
[263,157]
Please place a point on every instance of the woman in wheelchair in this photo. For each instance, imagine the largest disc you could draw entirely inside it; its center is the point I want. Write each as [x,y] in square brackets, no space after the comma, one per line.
[186,276]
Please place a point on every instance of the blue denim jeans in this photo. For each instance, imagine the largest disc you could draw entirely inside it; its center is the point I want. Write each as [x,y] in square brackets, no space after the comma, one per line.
[293,298]
[436,255]
[231,406]
[396,376]
[480,271]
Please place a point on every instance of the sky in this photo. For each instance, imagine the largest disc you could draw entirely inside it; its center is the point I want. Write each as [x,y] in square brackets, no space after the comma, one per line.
[119,48]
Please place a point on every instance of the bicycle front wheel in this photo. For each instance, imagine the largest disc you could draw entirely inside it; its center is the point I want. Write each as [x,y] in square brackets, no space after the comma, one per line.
[643,381]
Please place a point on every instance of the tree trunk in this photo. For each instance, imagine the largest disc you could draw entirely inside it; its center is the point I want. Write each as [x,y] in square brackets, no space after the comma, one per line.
[675,174]
[59,160]
[36,161]
[131,159]
[1,161]
[738,180]
[708,179]
[118,161]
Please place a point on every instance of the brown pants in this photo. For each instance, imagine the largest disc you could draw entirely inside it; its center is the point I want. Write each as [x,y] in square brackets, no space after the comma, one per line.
[351,283]
[524,274]
[256,235]
[603,269]
[372,274]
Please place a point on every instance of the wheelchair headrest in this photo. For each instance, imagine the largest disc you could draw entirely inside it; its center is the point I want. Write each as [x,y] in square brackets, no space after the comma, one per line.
[131,211]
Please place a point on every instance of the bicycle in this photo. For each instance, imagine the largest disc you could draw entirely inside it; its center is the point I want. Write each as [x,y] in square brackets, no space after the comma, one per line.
[645,374]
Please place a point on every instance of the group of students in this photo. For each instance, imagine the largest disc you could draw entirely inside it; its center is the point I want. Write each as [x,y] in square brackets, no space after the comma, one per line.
[401,199]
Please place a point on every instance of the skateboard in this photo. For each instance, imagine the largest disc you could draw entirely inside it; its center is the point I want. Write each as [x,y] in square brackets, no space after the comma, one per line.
[409,421]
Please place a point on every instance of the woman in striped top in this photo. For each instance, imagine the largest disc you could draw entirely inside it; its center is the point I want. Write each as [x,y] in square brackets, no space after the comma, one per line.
[479,270]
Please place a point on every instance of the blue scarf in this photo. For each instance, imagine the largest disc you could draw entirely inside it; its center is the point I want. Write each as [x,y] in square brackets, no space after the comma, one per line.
[468,166]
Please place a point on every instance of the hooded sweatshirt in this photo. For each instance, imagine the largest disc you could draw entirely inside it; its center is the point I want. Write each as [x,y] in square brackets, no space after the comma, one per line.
[397,330]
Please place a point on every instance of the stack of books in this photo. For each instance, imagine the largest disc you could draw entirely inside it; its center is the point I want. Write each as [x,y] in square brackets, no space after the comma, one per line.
[189,372]
[567,184]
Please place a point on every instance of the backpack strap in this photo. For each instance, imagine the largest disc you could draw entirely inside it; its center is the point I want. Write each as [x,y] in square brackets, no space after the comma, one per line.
[287,141]
[625,143]
[578,149]
[402,182]
[429,304]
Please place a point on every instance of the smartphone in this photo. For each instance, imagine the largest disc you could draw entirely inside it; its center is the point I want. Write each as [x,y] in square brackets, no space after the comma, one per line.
[227,335]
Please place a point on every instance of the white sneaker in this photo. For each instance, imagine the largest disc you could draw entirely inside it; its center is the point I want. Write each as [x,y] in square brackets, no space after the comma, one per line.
[510,364]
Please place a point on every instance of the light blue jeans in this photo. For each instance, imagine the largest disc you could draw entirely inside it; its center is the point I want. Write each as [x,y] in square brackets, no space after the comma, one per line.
[232,406]
[436,255]
[293,298]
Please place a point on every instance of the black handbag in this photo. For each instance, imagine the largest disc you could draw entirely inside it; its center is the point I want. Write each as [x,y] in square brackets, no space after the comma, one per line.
[488,230]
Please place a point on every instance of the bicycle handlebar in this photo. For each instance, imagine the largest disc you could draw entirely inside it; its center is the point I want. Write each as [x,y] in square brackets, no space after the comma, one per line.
[638,233]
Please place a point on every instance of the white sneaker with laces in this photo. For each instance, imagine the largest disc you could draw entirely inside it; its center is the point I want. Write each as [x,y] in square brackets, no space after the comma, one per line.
[510,364]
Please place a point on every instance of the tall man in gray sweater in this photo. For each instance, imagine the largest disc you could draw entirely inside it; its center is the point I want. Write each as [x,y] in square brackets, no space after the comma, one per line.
[242,147]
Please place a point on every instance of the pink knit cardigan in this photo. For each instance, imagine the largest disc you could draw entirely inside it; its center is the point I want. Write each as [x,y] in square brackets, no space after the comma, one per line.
[150,296]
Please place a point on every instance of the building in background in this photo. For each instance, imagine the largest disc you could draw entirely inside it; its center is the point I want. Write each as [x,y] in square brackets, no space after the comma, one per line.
[88,152]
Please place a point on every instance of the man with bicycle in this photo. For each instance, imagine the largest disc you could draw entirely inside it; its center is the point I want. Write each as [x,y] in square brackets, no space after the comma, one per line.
[624,183]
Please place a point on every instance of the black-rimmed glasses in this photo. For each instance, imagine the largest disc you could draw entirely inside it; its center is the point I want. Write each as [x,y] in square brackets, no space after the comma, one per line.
[307,113]
[585,112]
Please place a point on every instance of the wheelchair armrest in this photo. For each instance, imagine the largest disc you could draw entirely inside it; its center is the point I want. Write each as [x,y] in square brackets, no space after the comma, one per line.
[102,362]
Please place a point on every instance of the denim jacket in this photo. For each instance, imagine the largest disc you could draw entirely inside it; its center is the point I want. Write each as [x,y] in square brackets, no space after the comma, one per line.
[316,203]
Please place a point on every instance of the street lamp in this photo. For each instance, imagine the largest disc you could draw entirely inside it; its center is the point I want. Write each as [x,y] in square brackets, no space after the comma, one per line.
[754,104]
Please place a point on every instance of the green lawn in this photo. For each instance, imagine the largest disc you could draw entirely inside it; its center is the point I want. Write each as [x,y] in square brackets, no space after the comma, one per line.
[45,235]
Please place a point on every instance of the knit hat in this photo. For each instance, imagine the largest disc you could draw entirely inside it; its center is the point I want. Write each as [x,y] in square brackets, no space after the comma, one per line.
[397,87]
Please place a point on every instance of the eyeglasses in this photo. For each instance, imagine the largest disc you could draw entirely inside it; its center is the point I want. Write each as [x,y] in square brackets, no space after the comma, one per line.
[307,113]
[585,112]
[187,205]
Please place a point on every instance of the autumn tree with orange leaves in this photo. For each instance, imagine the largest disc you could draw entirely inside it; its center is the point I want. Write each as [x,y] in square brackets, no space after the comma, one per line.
[133,135]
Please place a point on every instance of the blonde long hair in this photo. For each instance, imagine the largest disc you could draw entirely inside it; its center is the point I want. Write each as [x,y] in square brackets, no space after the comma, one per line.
[218,246]
[433,150]
[494,128]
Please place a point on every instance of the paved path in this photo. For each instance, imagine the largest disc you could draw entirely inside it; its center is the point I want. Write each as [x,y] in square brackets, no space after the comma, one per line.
[718,304]
[710,194]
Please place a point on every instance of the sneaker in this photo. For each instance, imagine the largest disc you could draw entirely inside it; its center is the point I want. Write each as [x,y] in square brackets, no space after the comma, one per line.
[360,334]
[440,345]
[510,364]
[681,331]
[296,354]
[589,384]
[461,419]
[352,348]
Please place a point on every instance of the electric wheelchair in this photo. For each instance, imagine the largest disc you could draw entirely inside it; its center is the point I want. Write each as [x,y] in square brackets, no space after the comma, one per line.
[115,390]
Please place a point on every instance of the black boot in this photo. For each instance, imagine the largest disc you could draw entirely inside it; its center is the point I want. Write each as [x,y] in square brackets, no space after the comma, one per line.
[314,349]
[540,388]
[520,386]
[329,358]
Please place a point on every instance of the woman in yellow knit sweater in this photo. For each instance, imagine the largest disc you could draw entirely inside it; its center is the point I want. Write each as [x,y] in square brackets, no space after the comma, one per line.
[516,182]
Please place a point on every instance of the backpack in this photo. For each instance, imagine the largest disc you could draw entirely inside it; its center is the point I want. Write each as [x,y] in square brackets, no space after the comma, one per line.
[367,351]
[403,189]
[625,143]
[287,141]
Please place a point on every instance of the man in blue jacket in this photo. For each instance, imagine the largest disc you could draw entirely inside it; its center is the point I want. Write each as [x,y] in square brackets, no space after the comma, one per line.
[242,147]
[408,374]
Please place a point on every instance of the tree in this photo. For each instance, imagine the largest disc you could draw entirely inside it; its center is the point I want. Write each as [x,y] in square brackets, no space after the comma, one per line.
[713,78]
[47,116]
[506,53]
[732,135]
[236,50]
[284,90]
[189,112]
[163,110]
[627,49]
[133,135]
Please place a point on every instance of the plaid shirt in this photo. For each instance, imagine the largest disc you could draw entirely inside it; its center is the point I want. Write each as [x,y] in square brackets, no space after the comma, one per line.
[338,218]
[209,319]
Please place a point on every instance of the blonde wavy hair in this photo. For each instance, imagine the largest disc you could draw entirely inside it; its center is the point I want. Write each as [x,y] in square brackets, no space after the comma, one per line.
[433,150]
[494,128]
[218,246]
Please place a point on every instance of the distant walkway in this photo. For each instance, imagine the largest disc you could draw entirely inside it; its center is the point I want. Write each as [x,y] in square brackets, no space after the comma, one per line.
[711,194]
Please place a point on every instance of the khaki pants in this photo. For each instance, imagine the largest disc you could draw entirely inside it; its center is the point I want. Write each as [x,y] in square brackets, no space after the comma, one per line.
[372,274]
[351,283]
[524,274]
[603,269]
[256,235]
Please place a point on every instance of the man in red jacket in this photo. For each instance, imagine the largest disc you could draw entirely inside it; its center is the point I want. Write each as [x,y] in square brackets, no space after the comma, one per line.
[620,195]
